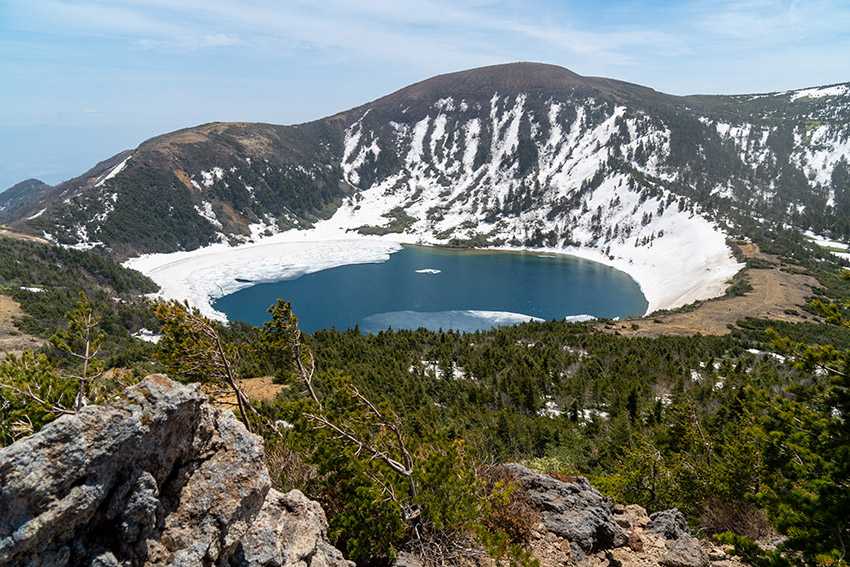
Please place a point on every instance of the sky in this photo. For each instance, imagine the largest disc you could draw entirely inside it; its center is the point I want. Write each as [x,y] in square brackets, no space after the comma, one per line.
[82,80]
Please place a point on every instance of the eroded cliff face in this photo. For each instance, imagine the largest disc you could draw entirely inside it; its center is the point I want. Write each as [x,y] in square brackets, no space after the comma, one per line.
[158,477]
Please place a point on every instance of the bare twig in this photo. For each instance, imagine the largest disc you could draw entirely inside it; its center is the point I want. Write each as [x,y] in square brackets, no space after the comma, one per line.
[28,393]
[404,469]
[306,375]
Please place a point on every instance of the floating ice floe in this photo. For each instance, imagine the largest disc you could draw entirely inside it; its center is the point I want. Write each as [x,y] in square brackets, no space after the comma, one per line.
[457,320]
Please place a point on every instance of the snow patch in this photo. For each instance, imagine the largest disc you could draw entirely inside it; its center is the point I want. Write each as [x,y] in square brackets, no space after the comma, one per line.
[115,171]
[33,289]
[591,414]
[826,146]
[550,410]
[820,92]
[206,211]
[447,104]
[773,355]
[211,176]
[148,336]
[824,242]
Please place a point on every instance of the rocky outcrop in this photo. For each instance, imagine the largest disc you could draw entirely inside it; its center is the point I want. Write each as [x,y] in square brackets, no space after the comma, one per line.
[291,530]
[579,527]
[158,477]
[574,511]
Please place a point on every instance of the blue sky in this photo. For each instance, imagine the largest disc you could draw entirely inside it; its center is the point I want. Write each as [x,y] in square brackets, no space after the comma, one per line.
[82,80]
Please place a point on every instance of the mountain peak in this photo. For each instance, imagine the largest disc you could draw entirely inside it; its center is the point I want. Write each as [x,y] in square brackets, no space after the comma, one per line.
[506,78]
[22,193]
[509,77]
[541,79]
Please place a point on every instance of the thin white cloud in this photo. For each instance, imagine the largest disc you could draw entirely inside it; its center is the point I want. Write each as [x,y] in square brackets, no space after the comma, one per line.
[383,29]
[781,21]
[622,39]
[190,42]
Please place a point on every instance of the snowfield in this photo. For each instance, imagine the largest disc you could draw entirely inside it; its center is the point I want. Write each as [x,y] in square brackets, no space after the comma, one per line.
[832,245]
[202,276]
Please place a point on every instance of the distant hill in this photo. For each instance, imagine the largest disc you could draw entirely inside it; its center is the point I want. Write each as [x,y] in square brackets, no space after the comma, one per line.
[523,154]
[21,194]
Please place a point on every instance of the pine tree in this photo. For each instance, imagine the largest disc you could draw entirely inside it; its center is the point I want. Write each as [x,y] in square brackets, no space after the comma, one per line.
[82,342]
[192,346]
[806,449]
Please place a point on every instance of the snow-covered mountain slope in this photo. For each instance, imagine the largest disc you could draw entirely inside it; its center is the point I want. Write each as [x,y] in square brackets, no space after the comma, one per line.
[521,156]
[508,173]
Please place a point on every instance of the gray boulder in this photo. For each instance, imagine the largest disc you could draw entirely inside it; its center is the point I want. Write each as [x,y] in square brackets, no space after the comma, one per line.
[670,524]
[573,510]
[159,477]
[686,552]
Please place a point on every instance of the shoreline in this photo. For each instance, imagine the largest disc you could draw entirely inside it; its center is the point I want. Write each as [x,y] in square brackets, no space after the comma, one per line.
[668,277]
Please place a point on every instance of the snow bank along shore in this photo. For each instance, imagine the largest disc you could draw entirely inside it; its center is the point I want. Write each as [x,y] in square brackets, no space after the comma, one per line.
[674,271]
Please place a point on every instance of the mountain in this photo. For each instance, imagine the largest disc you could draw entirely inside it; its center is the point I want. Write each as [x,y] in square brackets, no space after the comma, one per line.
[21,194]
[523,154]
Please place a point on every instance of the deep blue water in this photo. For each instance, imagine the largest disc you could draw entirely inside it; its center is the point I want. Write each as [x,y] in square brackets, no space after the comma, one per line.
[393,293]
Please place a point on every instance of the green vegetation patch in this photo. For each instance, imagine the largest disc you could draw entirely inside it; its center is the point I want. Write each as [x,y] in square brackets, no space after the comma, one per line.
[400,221]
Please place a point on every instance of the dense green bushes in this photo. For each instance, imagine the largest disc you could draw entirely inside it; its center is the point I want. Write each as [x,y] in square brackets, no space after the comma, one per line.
[47,280]
[717,426]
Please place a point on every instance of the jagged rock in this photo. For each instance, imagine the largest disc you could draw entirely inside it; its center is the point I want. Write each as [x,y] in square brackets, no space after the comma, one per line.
[573,510]
[671,524]
[632,516]
[643,549]
[686,552]
[291,530]
[158,477]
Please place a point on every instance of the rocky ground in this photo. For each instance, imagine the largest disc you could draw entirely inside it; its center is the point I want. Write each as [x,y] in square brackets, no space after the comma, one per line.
[646,547]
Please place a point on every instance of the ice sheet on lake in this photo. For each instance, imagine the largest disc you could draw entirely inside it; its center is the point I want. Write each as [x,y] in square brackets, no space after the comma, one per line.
[218,270]
[458,320]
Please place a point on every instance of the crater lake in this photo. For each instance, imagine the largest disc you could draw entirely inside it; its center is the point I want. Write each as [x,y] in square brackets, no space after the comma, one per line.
[435,288]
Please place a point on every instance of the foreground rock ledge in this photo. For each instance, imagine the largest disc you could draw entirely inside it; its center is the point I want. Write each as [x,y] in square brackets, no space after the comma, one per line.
[158,477]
